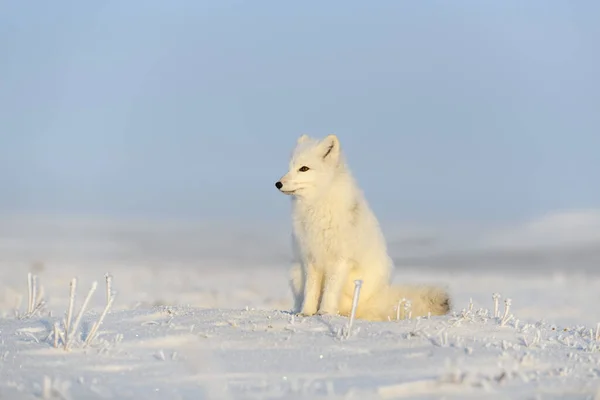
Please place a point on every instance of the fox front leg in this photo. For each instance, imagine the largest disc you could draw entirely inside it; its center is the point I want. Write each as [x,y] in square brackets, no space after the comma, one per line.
[332,289]
[297,279]
[312,290]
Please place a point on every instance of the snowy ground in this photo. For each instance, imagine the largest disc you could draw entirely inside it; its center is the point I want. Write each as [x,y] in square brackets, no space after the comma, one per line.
[204,316]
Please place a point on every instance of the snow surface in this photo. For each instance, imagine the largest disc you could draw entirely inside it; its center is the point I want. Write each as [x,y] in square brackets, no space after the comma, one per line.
[201,312]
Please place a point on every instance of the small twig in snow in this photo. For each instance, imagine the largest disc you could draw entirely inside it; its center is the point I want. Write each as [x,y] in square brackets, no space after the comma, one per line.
[505,317]
[81,311]
[97,324]
[56,335]
[30,290]
[73,287]
[357,286]
[496,297]
[398,309]
[31,335]
[33,294]
[108,287]
[35,301]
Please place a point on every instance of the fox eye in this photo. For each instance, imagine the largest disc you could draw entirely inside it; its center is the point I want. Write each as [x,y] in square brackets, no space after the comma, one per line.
[303,169]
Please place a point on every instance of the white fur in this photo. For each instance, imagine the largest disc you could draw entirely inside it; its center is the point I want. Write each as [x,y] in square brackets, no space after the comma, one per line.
[337,239]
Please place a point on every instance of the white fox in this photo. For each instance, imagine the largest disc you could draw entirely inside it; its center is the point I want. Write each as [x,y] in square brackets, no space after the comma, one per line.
[337,240]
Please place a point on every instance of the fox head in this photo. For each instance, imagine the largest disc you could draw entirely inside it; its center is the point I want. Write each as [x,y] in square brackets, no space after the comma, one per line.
[313,166]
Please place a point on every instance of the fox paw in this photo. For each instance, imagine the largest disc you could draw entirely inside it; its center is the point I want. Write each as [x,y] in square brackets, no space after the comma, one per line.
[308,310]
[327,312]
[305,314]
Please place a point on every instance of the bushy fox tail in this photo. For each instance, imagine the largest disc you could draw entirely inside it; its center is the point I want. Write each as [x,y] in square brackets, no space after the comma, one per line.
[390,303]
[423,299]
[382,305]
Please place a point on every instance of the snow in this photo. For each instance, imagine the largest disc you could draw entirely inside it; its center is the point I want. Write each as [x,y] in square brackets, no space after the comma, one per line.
[202,313]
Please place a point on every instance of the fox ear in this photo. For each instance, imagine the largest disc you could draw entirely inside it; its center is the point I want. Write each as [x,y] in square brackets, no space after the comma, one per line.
[331,148]
[303,138]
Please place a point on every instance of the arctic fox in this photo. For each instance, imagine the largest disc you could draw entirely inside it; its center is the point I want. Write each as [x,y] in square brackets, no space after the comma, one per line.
[337,239]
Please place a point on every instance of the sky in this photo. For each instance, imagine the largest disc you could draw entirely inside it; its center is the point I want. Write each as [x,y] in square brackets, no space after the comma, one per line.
[447,111]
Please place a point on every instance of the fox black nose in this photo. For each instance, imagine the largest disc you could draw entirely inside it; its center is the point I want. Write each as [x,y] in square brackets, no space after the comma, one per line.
[278,185]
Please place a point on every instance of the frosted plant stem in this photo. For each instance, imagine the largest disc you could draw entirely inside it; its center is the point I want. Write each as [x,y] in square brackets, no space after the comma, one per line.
[73,288]
[598,332]
[357,286]
[398,310]
[30,292]
[33,294]
[408,309]
[80,314]
[38,307]
[40,296]
[96,325]
[61,336]
[496,297]
[505,317]
[539,336]
[56,335]
[108,287]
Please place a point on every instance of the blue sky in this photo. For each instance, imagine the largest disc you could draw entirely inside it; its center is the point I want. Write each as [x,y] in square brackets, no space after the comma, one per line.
[447,111]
